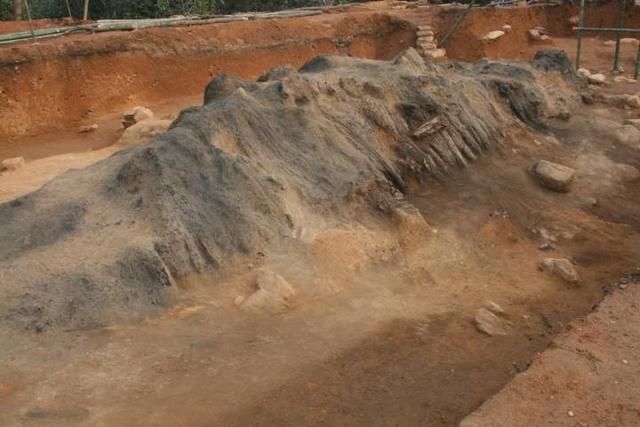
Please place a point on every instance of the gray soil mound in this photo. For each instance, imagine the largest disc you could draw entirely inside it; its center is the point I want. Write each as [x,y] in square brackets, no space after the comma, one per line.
[246,169]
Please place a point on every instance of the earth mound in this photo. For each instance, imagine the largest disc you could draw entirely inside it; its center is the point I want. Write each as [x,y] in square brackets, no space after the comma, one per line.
[256,165]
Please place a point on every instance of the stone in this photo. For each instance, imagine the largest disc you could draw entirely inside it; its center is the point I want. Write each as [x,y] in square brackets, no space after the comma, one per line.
[574,20]
[609,43]
[538,35]
[426,39]
[629,41]
[273,294]
[623,79]
[493,35]
[596,79]
[628,135]
[136,115]
[88,128]
[554,176]
[427,46]
[12,164]
[489,323]
[627,173]
[142,132]
[436,53]
[584,72]
[561,267]
[506,28]
[428,33]
[632,101]
[493,307]
[633,122]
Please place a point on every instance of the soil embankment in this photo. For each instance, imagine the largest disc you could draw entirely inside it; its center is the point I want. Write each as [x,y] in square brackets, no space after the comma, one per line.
[58,83]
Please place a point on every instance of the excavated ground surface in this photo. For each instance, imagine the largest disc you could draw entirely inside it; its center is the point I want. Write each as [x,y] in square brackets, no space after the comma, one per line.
[379,329]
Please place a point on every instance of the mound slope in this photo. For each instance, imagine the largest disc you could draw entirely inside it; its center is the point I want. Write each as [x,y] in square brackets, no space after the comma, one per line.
[253,166]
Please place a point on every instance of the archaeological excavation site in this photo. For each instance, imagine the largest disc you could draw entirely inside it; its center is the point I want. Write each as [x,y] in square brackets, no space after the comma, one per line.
[316,213]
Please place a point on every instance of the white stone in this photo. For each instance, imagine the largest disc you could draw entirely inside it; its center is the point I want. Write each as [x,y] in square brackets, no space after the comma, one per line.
[506,28]
[597,79]
[489,323]
[142,132]
[494,35]
[273,295]
[88,128]
[628,135]
[584,72]
[12,164]
[436,53]
[136,115]
[561,267]
[554,176]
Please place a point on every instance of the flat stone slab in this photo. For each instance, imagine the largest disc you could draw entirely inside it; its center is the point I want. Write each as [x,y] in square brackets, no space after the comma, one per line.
[554,176]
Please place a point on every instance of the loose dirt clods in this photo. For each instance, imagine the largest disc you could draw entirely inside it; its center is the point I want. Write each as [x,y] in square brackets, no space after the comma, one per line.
[366,234]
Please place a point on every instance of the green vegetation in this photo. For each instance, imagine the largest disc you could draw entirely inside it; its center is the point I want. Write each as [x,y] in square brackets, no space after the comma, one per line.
[99,9]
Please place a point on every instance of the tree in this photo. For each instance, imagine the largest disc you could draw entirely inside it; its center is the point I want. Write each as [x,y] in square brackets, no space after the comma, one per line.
[85,14]
[17,10]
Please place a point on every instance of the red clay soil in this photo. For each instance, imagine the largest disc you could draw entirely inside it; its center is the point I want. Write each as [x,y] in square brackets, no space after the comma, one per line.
[57,82]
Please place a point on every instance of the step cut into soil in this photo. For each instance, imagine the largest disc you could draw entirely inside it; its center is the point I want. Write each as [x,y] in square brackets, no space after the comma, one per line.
[249,168]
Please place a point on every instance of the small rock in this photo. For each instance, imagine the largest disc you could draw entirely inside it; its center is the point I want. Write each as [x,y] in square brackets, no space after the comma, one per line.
[628,135]
[609,43]
[436,53]
[629,41]
[633,122]
[623,79]
[571,414]
[12,164]
[493,307]
[489,323]
[538,35]
[545,247]
[143,132]
[574,20]
[584,72]
[554,176]
[136,115]
[506,28]
[88,128]
[426,45]
[597,79]
[493,35]
[425,33]
[632,101]
[274,294]
[622,286]
[561,267]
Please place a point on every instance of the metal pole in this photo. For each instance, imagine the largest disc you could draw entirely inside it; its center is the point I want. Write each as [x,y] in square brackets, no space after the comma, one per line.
[635,76]
[26,4]
[581,24]
[456,25]
[620,24]
[607,30]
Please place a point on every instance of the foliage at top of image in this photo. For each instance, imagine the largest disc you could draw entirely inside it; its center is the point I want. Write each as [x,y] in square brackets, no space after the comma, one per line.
[100,9]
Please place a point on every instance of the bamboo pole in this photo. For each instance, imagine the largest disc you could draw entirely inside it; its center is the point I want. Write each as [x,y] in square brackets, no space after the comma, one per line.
[26,5]
[453,29]
[579,35]
[607,30]
[68,8]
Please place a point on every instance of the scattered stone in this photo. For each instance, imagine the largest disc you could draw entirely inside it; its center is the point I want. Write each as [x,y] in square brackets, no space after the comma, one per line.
[554,176]
[274,294]
[12,164]
[425,33]
[506,28]
[632,101]
[436,53]
[88,128]
[136,115]
[571,414]
[584,72]
[629,40]
[596,79]
[547,235]
[142,132]
[489,323]
[561,267]
[622,286]
[609,43]
[633,122]
[623,79]
[545,247]
[538,35]
[495,308]
[574,20]
[628,135]
[427,45]
[493,35]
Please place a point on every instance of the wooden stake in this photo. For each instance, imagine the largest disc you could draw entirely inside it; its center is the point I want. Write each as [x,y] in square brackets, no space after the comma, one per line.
[26,4]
